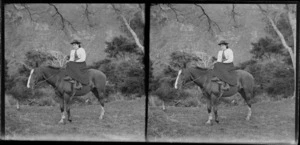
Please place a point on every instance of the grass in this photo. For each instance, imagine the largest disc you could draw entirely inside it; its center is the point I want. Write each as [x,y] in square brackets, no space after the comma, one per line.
[270,122]
[123,121]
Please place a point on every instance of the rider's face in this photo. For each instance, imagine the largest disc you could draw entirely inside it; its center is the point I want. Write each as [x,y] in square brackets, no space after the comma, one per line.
[223,47]
[75,46]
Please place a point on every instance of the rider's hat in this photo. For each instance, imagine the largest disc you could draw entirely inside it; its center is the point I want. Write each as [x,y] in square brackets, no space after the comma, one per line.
[223,42]
[75,42]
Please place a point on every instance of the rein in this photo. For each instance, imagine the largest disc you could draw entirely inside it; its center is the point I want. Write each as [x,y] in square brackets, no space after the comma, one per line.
[193,80]
[45,79]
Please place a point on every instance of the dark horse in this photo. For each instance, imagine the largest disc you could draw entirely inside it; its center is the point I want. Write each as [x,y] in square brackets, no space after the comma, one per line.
[202,78]
[64,89]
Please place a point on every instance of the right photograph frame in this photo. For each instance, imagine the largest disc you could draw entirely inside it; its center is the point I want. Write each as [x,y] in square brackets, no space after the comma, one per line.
[222,73]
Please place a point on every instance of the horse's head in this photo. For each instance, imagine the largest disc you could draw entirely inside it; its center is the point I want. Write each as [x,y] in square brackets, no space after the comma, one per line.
[183,77]
[34,77]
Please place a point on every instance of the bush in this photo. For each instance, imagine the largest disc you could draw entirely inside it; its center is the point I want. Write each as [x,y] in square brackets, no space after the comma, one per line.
[274,78]
[283,84]
[17,88]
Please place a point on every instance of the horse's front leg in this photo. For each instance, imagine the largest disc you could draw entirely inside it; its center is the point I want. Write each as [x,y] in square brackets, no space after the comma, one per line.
[67,104]
[62,110]
[209,110]
[215,101]
[65,109]
[69,113]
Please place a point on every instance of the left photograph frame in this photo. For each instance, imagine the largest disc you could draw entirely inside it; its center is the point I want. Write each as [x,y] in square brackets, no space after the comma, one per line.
[74,72]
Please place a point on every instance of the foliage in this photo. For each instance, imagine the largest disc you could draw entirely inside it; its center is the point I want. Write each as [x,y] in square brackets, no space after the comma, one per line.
[35,58]
[120,47]
[283,84]
[284,27]
[16,83]
[265,48]
[123,67]
[274,78]
[137,26]
[181,59]
[271,64]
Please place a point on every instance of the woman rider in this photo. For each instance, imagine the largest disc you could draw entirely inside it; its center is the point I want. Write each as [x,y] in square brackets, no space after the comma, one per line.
[76,67]
[223,67]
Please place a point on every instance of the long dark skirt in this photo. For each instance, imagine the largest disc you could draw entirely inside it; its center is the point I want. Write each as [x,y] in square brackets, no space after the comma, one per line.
[78,71]
[225,72]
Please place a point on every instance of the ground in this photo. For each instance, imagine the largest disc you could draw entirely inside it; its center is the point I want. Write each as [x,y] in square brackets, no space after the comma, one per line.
[123,121]
[270,122]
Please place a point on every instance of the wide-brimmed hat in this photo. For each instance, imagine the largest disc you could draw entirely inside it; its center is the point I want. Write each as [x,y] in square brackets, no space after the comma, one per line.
[75,42]
[223,42]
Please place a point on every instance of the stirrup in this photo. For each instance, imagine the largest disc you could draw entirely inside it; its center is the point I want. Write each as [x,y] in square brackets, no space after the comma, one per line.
[78,85]
[215,79]
[67,78]
[225,87]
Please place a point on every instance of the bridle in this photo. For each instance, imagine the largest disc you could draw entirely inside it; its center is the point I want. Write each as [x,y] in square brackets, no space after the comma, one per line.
[192,80]
[45,79]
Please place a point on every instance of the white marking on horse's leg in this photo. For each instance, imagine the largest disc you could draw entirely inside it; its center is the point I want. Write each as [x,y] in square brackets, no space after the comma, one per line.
[102,113]
[63,117]
[163,105]
[249,113]
[176,82]
[28,81]
[210,117]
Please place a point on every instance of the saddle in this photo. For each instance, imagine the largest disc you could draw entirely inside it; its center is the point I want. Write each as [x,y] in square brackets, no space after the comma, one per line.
[77,84]
[223,85]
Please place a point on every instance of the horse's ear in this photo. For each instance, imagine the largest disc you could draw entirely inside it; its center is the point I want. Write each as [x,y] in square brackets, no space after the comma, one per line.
[26,67]
[184,66]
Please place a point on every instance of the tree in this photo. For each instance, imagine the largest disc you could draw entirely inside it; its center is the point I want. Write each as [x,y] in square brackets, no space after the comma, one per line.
[121,47]
[272,13]
[195,14]
[121,10]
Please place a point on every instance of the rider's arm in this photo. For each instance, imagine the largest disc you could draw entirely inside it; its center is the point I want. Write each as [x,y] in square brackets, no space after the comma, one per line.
[219,56]
[72,55]
[229,56]
[81,55]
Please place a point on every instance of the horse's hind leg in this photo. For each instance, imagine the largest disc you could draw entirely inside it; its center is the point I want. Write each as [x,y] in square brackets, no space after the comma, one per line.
[101,101]
[209,110]
[68,110]
[65,108]
[247,96]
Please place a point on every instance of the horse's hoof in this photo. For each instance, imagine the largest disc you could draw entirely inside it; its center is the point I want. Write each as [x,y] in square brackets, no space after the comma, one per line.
[61,122]
[208,123]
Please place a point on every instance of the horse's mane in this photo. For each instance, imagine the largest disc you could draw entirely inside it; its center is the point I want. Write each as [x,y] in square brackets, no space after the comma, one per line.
[201,68]
[54,67]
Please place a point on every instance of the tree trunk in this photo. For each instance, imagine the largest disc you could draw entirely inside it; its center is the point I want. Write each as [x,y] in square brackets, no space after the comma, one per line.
[292,20]
[290,50]
[136,39]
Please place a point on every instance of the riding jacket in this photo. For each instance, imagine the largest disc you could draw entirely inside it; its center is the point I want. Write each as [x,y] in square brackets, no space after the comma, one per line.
[78,55]
[225,56]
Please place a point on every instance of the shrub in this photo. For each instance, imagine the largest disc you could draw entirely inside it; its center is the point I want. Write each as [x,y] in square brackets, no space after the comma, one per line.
[283,84]
[274,78]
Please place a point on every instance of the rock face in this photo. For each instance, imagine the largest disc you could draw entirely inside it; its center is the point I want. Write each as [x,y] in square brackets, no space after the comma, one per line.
[193,36]
[43,30]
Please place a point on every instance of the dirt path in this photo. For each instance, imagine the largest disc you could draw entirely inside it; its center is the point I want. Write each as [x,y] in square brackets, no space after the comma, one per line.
[123,121]
[270,122]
